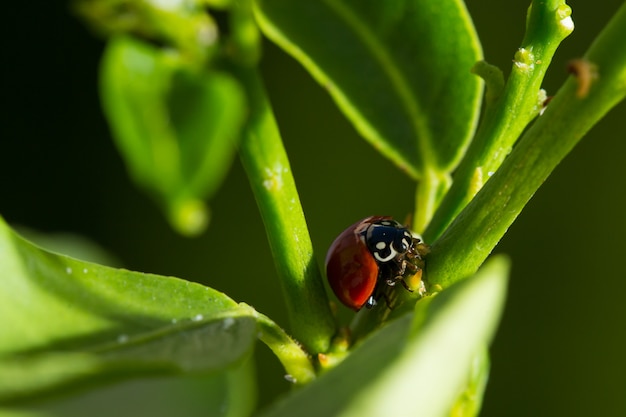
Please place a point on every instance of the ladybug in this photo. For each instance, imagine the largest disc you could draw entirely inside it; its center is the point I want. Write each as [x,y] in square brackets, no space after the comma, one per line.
[370,256]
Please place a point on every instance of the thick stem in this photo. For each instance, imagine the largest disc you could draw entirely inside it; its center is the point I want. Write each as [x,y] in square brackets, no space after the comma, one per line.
[265,161]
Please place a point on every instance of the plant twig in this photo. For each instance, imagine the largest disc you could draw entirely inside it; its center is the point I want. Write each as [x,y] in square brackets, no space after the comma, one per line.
[508,115]
[265,161]
[478,228]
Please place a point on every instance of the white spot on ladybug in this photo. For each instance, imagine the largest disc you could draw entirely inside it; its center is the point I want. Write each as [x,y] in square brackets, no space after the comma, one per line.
[381,245]
[392,254]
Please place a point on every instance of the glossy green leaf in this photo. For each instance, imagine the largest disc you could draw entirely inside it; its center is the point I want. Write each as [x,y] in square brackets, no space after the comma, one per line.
[69,323]
[176,128]
[416,365]
[399,70]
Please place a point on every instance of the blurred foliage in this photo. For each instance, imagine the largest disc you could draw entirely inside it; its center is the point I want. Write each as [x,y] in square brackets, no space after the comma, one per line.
[175,115]
[417,364]
[60,172]
[177,129]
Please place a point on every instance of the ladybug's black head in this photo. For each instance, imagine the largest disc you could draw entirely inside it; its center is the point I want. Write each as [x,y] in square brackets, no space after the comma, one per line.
[387,239]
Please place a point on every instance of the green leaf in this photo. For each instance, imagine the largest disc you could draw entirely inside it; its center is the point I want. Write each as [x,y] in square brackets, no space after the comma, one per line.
[230,393]
[177,128]
[67,323]
[468,404]
[70,244]
[399,70]
[416,365]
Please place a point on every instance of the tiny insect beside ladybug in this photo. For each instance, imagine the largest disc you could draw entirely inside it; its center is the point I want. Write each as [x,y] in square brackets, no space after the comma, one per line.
[369,257]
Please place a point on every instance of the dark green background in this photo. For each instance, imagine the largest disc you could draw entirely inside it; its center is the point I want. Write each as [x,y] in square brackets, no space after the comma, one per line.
[560,350]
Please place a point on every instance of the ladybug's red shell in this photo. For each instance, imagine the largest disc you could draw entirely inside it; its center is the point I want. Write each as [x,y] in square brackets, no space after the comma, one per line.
[351,269]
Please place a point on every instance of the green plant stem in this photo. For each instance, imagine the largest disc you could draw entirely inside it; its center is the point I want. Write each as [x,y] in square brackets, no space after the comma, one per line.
[548,23]
[295,360]
[474,233]
[266,164]
[428,195]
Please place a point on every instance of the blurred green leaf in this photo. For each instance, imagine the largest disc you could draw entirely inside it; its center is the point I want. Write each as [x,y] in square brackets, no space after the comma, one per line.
[176,128]
[70,244]
[416,365]
[470,401]
[244,40]
[181,24]
[230,393]
[67,323]
[399,70]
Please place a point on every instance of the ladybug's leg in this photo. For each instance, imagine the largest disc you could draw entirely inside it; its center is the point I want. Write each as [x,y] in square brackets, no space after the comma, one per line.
[399,274]
[399,278]
[411,265]
[415,261]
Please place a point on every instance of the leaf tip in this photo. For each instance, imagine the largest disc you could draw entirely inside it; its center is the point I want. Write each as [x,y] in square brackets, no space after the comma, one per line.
[189,217]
